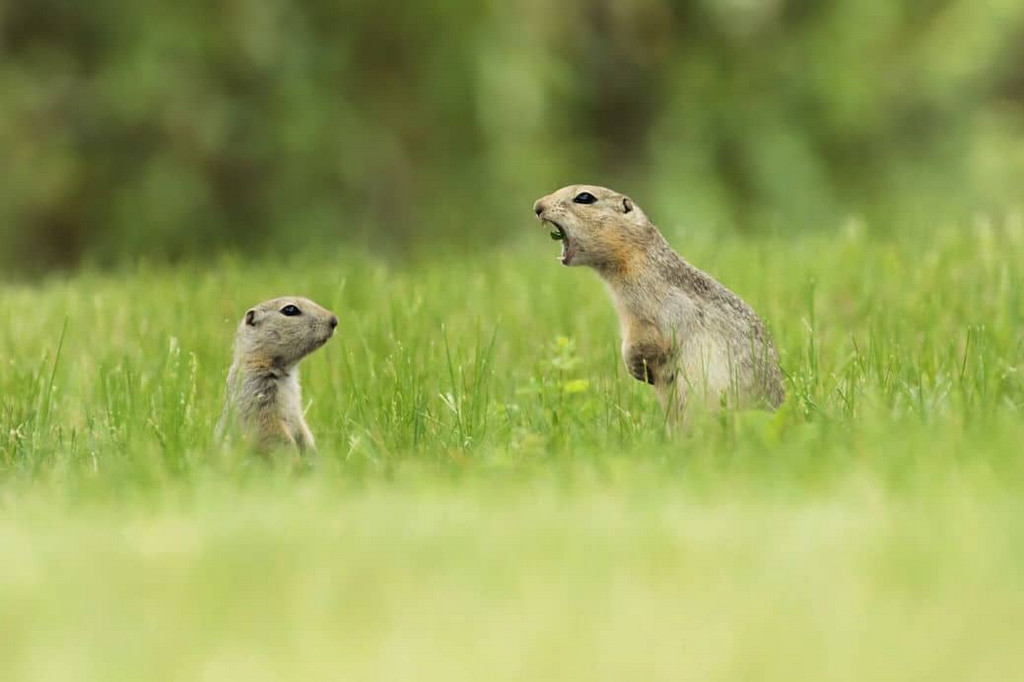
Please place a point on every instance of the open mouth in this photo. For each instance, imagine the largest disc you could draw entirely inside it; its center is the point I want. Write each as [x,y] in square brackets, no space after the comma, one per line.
[559,234]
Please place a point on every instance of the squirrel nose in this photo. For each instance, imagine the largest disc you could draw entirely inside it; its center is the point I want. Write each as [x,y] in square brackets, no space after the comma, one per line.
[333,321]
[538,207]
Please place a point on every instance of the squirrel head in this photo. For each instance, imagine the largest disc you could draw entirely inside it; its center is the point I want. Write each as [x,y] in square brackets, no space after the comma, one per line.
[280,332]
[597,226]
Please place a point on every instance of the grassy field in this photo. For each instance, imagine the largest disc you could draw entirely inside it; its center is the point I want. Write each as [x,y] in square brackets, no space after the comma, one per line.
[495,498]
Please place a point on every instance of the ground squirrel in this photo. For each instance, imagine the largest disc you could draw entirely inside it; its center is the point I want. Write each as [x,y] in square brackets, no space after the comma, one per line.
[682,331]
[263,393]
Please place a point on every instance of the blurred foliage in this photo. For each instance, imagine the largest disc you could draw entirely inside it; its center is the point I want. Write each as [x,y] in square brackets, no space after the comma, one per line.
[175,129]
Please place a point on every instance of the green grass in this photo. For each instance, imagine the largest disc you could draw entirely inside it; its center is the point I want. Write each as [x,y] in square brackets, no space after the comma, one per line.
[496,499]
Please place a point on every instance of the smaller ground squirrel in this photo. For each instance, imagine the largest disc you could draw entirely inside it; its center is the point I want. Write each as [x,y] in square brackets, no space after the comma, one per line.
[263,393]
[682,331]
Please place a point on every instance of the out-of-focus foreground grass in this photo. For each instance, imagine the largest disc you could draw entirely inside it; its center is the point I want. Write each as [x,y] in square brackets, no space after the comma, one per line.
[496,499]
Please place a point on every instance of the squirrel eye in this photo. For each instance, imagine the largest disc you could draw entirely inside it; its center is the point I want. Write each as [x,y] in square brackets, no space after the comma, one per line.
[584,198]
[290,311]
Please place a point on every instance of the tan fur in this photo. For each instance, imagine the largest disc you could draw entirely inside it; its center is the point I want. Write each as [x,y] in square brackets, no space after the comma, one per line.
[682,331]
[264,398]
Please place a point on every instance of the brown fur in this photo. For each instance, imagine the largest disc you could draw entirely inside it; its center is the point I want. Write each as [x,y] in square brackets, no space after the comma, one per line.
[682,331]
[263,394]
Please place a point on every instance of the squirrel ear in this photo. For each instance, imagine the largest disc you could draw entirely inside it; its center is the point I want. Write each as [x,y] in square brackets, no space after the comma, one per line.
[250,318]
[627,205]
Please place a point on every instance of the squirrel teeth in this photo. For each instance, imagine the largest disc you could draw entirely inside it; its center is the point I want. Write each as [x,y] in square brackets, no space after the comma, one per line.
[566,256]
[558,234]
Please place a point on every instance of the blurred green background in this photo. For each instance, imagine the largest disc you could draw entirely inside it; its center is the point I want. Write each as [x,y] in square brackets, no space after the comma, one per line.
[174,130]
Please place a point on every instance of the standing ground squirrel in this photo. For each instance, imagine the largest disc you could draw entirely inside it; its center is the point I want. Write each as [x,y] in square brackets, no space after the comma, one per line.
[682,331]
[263,392]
